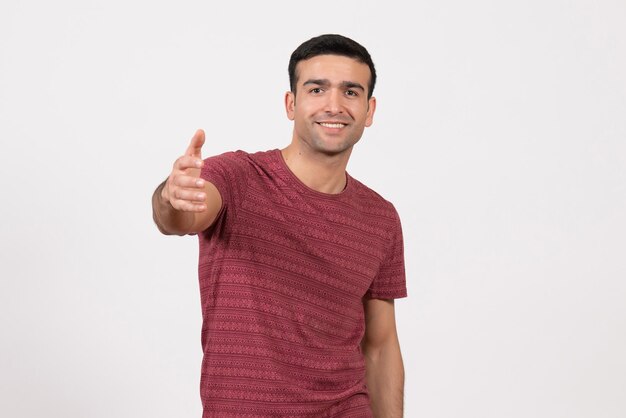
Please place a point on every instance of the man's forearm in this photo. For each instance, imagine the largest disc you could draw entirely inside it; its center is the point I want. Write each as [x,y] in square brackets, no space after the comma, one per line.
[385,381]
[169,220]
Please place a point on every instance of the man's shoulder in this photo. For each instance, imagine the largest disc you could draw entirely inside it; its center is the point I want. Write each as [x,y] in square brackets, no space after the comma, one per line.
[370,199]
[240,156]
[240,159]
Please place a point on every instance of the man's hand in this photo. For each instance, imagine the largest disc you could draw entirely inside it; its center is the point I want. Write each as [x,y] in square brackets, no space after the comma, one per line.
[184,189]
[185,203]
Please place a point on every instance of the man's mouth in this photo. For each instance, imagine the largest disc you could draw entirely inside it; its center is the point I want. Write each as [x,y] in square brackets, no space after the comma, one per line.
[332,125]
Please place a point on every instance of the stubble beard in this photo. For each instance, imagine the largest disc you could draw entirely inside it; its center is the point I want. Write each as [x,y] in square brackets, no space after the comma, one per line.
[327,145]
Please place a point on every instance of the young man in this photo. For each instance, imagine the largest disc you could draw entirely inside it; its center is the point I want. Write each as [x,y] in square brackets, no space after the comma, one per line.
[299,262]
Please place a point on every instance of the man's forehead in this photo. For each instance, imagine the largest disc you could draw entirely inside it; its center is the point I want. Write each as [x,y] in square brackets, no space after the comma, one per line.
[327,66]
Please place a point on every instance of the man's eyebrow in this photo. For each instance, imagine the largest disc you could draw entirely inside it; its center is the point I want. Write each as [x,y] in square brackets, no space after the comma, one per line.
[324,82]
[317,81]
[352,85]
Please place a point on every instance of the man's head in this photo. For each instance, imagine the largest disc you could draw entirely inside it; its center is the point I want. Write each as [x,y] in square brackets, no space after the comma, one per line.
[330,45]
[334,78]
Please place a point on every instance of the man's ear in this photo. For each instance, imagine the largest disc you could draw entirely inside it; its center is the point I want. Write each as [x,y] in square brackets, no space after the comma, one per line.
[290,104]
[371,108]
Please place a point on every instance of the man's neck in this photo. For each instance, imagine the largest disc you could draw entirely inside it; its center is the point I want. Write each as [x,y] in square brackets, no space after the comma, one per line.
[320,172]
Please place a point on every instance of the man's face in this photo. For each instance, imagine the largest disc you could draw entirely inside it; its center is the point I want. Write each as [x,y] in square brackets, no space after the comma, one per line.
[330,108]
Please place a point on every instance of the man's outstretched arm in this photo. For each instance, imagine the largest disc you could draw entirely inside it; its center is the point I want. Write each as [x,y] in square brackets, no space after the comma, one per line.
[185,203]
[383,360]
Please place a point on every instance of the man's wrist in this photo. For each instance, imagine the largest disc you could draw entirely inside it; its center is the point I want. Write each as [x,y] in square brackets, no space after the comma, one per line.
[162,195]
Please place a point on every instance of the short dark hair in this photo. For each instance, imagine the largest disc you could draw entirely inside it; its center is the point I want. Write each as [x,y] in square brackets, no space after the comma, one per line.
[331,44]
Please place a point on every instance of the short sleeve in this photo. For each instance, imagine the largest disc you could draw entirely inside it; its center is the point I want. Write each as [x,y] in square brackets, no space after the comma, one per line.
[228,173]
[390,283]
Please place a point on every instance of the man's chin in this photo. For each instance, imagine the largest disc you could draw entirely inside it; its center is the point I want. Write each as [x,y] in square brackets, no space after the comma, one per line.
[335,150]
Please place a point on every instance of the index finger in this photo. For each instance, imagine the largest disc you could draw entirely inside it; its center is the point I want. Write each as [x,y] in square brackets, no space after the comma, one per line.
[195,146]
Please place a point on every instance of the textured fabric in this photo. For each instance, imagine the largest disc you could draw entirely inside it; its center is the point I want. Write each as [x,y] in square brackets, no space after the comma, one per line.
[283,272]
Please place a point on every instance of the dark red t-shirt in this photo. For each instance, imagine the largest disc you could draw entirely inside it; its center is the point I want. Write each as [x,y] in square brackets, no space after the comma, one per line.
[283,272]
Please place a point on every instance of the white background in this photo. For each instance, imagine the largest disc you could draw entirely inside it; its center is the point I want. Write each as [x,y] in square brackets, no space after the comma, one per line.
[500,135]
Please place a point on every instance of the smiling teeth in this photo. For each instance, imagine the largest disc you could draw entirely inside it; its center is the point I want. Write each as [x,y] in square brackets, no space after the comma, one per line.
[332,125]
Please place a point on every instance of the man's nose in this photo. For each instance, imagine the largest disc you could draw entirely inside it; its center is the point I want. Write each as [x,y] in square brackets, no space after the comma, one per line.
[334,103]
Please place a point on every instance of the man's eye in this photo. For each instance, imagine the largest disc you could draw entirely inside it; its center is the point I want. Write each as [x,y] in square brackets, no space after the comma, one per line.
[315,90]
[351,93]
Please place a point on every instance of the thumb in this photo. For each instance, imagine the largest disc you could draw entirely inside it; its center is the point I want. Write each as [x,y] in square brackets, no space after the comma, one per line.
[195,146]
